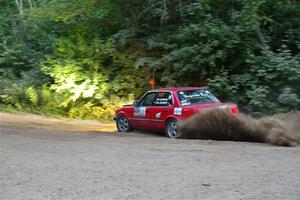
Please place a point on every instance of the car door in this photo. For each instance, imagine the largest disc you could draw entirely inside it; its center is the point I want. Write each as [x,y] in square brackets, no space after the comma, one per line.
[142,111]
[162,108]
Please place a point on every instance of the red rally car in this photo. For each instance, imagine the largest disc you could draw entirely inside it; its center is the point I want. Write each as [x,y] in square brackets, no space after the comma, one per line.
[160,109]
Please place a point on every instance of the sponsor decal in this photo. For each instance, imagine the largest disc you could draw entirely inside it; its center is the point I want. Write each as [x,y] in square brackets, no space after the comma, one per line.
[140,111]
[157,115]
[185,102]
[161,101]
[224,107]
[177,111]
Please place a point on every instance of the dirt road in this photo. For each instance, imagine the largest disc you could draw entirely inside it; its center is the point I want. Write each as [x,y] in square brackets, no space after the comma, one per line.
[46,158]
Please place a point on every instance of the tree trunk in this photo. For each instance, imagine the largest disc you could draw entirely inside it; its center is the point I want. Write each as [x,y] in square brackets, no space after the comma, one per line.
[180,10]
[260,36]
[30,4]
[19,4]
[164,13]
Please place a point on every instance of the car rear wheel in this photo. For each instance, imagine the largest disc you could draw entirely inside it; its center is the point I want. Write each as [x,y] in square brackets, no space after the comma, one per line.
[123,124]
[171,128]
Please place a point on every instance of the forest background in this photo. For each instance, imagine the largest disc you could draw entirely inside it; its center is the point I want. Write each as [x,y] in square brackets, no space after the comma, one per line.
[85,58]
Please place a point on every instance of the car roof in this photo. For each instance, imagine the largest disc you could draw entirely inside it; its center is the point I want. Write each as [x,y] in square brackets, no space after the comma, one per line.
[175,89]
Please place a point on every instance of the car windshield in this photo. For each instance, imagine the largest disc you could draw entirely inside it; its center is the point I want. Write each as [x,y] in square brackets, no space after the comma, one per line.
[198,96]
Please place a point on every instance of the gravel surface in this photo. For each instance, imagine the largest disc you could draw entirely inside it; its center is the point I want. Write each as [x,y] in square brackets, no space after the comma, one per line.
[46,158]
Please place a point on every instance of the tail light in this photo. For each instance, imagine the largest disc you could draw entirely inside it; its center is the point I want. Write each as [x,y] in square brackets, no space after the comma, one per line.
[234,110]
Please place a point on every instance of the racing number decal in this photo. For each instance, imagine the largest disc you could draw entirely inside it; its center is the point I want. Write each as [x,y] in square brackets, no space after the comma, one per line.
[157,115]
[140,111]
[177,111]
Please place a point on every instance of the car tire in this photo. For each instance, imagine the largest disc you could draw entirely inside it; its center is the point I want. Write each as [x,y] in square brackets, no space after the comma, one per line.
[122,124]
[171,128]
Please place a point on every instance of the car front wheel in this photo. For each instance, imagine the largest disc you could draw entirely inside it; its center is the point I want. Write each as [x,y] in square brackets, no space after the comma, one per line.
[171,128]
[123,124]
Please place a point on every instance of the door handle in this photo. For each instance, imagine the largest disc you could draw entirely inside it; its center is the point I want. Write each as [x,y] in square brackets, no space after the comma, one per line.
[165,111]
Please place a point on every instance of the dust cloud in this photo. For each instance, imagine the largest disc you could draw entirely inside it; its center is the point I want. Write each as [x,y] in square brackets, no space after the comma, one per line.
[217,124]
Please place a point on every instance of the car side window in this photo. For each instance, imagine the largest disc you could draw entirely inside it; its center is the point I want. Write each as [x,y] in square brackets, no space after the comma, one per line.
[163,99]
[148,99]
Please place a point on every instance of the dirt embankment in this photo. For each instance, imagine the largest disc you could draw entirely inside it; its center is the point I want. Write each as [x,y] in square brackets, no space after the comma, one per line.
[29,121]
[216,124]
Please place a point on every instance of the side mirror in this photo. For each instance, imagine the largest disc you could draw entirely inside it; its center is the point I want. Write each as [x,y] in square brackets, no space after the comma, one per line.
[136,104]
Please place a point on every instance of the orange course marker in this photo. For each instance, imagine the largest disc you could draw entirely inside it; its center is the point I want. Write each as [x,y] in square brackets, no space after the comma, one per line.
[151,82]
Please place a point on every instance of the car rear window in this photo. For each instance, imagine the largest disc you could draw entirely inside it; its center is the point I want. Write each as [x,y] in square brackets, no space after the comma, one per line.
[197,96]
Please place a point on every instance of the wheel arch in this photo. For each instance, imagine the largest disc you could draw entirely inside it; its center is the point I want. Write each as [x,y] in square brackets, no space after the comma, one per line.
[122,113]
[170,118]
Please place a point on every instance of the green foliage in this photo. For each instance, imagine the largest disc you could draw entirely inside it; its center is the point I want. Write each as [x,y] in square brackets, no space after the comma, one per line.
[92,111]
[234,48]
[270,83]
[32,95]
[84,57]
[89,76]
